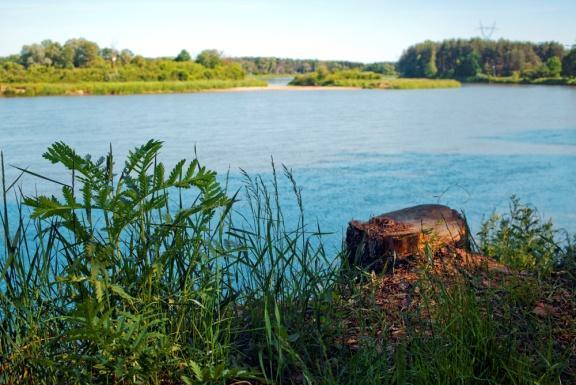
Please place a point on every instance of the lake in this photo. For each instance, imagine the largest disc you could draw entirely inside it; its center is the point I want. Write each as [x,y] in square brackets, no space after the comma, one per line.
[355,153]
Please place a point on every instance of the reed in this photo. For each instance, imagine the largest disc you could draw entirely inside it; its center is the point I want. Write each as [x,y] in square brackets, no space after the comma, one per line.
[122,88]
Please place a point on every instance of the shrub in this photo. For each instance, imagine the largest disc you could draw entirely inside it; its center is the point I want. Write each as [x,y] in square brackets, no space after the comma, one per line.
[521,238]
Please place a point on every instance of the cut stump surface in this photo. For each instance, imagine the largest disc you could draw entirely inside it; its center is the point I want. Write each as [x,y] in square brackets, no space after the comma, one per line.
[399,234]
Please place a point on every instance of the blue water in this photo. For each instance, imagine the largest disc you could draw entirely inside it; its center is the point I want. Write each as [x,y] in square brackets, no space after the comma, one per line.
[355,153]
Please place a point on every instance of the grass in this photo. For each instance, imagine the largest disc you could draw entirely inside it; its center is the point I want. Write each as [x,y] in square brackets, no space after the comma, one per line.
[153,276]
[122,88]
[359,79]
[401,83]
[562,81]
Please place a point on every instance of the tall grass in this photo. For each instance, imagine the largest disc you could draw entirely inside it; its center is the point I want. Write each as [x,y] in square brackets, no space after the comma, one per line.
[122,88]
[563,81]
[360,79]
[154,276]
[399,84]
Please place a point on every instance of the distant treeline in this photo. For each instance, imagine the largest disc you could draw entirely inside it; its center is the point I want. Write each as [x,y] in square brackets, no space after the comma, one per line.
[81,60]
[273,65]
[462,59]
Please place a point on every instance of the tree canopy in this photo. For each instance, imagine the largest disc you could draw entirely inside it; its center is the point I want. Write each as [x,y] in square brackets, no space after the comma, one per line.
[458,58]
[81,60]
[209,58]
[183,56]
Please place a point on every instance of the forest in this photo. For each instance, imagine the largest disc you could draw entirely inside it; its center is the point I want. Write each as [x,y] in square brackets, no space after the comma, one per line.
[477,58]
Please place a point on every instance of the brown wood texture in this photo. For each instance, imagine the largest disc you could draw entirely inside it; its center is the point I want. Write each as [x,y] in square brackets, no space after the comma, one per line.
[400,234]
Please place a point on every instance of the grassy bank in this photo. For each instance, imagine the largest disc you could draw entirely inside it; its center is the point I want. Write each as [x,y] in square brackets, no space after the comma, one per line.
[368,80]
[400,83]
[122,88]
[144,275]
[562,81]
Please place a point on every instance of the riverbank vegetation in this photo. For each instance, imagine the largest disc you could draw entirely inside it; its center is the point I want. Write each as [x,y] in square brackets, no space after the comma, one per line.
[81,67]
[123,88]
[501,61]
[366,79]
[148,275]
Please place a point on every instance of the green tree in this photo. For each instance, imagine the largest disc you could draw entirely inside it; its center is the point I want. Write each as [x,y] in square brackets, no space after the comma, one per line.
[53,53]
[32,54]
[67,56]
[554,65]
[431,70]
[209,58]
[419,61]
[322,72]
[569,63]
[126,56]
[86,53]
[139,61]
[386,69]
[469,66]
[183,56]
[109,54]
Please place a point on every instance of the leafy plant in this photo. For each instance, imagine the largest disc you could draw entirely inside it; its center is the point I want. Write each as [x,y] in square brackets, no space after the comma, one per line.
[521,238]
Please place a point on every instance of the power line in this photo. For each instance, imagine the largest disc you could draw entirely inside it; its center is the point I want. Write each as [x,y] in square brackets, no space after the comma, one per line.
[487,31]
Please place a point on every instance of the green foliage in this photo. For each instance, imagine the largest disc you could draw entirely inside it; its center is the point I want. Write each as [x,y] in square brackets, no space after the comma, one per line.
[84,53]
[360,79]
[123,88]
[468,67]
[81,61]
[278,66]
[474,337]
[183,56]
[468,58]
[323,77]
[144,277]
[521,239]
[569,64]
[385,69]
[430,70]
[413,84]
[554,65]
[419,61]
[140,70]
[119,272]
[149,275]
[209,58]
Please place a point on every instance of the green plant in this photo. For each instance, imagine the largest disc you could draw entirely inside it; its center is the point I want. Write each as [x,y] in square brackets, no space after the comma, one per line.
[155,276]
[521,238]
[138,273]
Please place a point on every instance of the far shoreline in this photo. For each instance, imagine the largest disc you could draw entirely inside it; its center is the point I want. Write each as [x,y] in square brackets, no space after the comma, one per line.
[260,88]
[283,88]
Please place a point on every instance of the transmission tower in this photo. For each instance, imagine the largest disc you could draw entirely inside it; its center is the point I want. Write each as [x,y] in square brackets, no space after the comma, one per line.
[487,31]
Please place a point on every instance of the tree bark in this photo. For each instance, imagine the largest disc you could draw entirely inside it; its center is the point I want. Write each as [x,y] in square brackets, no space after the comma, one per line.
[397,235]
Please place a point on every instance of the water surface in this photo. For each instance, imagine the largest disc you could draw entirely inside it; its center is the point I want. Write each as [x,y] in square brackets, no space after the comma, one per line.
[355,153]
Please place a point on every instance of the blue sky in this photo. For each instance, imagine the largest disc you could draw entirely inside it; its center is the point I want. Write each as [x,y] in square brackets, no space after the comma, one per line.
[360,30]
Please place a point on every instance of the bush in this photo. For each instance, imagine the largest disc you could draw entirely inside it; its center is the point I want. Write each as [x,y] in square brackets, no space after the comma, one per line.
[522,239]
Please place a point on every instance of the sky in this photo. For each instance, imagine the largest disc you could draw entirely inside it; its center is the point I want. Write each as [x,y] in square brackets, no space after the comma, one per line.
[357,30]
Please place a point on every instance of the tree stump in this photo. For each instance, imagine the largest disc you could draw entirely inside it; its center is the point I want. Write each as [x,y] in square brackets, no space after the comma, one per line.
[400,234]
